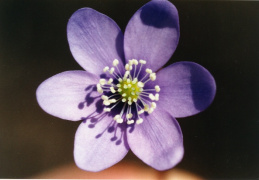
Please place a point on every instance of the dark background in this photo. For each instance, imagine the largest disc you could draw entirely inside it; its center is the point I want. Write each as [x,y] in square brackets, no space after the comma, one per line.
[221,142]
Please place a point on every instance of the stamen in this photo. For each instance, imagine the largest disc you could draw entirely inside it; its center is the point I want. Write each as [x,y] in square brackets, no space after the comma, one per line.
[115,62]
[112,70]
[102,81]
[128,89]
[152,76]
[142,61]
[157,88]
[112,90]
[110,81]
[139,121]
[105,69]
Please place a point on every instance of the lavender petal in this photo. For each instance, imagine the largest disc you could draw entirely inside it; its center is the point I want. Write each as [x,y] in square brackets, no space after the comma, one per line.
[152,33]
[187,88]
[99,144]
[157,141]
[95,40]
[69,95]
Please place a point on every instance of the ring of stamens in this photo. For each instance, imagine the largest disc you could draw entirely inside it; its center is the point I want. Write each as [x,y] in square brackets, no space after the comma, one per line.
[130,90]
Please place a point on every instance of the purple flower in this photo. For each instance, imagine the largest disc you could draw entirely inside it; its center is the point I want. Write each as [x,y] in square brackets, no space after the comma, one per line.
[124,99]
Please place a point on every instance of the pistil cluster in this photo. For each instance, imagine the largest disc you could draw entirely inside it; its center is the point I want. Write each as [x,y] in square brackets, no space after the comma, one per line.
[129,90]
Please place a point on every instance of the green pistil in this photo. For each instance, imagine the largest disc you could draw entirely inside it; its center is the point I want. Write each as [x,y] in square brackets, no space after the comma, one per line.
[129,89]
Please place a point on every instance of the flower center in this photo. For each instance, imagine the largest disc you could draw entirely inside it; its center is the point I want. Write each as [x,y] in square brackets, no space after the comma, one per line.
[129,89]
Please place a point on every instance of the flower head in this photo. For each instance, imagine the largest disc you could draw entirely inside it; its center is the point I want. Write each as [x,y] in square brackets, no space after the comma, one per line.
[125,99]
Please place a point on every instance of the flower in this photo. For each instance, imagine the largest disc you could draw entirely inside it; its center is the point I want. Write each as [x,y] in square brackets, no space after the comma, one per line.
[125,99]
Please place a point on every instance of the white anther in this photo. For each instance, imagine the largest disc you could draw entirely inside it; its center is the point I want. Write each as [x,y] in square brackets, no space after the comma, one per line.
[129,98]
[110,81]
[134,61]
[104,97]
[106,102]
[102,81]
[134,99]
[123,100]
[130,121]
[132,93]
[157,97]
[129,85]
[124,94]
[120,120]
[100,90]
[128,80]
[129,115]
[146,107]
[105,69]
[151,96]
[112,100]
[107,109]
[117,117]
[112,90]
[112,70]
[157,88]
[140,84]
[141,61]
[150,110]
[130,62]
[127,67]
[134,80]
[118,85]
[153,105]
[152,76]
[141,89]
[119,79]
[125,86]
[126,75]
[149,71]
[141,111]
[119,90]
[129,102]
[139,121]
[115,62]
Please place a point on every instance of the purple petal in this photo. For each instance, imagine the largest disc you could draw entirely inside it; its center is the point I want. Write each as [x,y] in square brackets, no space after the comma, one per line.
[95,40]
[69,95]
[99,144]
[158,140]
[186,89]
[152,33]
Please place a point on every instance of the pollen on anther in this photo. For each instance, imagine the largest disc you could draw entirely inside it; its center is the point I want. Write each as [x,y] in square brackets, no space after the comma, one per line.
[112,70]
[105,69]
[139,121]
[157,88]
[112,90]
[115,62]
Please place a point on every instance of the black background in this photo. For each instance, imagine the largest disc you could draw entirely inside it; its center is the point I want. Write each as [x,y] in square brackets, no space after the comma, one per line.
[221,142]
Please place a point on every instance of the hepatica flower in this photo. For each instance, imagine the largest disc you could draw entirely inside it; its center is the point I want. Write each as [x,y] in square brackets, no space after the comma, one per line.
[124,99]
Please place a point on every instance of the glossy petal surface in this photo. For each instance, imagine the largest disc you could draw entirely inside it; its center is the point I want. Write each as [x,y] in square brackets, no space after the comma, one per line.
[69,95]
[152,33]
[96,147]
[187,88]
[95,40]
[158,140]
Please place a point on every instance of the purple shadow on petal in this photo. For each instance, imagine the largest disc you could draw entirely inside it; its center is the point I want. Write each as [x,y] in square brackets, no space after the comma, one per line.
[119,47]
[161,19]
[98,115]
[203,92]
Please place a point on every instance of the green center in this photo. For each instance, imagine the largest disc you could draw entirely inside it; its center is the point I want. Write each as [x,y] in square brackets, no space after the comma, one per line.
[129,89]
